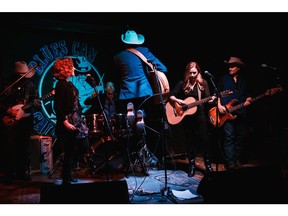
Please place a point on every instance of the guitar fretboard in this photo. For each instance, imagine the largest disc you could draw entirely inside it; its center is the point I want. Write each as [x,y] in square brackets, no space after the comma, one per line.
[233,109]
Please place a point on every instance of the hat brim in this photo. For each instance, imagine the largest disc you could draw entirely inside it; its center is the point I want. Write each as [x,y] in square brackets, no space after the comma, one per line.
[28,75]
[140,40]
[240,64]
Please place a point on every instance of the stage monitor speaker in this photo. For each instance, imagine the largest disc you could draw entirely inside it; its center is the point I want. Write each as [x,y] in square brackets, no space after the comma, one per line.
[41,154]
[112,192]
[250,185]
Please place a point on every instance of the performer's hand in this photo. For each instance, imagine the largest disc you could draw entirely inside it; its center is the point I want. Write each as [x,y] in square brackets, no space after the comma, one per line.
[222,109]
[213,99]
[248,101]
[69,126]
[180,102]
[12,112]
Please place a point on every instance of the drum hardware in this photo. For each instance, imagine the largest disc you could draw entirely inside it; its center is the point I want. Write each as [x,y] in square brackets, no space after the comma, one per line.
[143,157]
[119,125]
[88,161]
[106,124]
[94,123]
[95,145]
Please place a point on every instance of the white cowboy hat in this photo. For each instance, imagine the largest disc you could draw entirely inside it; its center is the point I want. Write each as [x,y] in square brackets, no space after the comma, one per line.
[131,37]
[22,68]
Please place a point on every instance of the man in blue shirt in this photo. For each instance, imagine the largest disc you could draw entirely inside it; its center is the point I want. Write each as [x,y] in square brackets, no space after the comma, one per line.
[133,72]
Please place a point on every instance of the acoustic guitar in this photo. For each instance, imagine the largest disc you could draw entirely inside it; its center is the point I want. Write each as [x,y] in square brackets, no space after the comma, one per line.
[175,113]
[222,118]
[10,121]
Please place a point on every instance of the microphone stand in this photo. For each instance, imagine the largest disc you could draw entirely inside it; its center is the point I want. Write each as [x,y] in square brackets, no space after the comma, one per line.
[217,114]
[165,127]
[107,124]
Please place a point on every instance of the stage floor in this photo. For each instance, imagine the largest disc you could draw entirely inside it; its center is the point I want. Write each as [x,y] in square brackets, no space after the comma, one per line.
[160,186]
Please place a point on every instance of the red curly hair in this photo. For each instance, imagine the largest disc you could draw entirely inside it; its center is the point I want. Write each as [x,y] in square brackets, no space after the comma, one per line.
[63,68]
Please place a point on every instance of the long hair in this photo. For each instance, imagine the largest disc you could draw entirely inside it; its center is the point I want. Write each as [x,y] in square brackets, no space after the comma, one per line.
[63,68]
[188,82]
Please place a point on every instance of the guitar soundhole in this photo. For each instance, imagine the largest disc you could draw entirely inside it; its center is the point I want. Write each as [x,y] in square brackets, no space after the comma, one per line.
[184,107]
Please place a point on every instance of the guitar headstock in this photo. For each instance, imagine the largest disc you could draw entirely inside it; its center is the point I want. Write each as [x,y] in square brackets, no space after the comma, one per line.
[226,93]
[273,91]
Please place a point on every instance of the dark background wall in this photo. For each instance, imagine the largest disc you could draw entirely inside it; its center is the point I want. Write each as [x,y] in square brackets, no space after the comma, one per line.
[176,38]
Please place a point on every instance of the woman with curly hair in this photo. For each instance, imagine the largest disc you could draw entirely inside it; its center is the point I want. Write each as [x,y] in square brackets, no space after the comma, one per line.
[71,131]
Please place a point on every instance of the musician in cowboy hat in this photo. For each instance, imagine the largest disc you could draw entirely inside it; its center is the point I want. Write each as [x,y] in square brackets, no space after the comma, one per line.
[132,73]
[235,131]
[17,122]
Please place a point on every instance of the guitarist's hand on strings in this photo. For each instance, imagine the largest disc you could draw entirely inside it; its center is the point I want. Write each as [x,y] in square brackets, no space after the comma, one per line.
[176,100]
[222,109]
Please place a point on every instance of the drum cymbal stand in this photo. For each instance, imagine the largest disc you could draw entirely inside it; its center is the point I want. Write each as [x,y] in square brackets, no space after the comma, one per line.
[143,153]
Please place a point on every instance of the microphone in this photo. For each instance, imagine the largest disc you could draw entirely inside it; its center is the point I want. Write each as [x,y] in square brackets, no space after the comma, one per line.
[130,114]
[90,78]
[140,125]
[208,74]
[266,66]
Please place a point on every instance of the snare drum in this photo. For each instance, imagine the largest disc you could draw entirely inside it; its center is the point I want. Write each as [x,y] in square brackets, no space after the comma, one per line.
[95,122]
[119,124]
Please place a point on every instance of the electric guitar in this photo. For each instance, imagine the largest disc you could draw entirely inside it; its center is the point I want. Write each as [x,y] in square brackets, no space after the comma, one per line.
[11,121]
[176,113]
[222,118]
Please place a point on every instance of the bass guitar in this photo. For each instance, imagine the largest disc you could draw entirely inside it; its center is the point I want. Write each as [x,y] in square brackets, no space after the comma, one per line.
[10,121]
[176,113]
[222,118]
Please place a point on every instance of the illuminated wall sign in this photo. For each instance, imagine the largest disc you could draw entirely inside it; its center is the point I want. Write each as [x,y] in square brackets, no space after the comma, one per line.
[83,56]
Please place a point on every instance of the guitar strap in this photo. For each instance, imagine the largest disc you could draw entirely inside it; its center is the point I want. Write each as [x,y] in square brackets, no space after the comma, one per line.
[141,56]
[199,92]
[144,59]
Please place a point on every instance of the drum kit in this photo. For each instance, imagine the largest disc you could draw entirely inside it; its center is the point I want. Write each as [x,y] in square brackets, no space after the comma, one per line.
[106,142]
[103,148]
[121,133]
[97,127]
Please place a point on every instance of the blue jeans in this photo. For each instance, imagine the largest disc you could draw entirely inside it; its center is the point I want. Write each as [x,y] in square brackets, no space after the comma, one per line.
[235,137]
